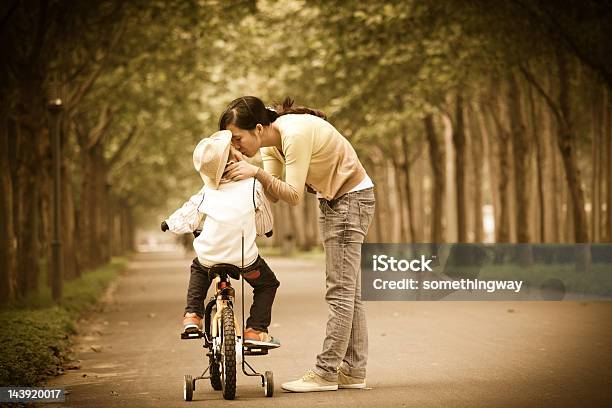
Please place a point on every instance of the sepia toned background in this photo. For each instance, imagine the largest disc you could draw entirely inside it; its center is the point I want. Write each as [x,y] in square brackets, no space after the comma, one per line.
[477,121]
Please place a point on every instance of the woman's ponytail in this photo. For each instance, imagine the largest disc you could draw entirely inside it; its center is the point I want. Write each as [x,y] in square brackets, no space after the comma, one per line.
[286,107]
[247,111]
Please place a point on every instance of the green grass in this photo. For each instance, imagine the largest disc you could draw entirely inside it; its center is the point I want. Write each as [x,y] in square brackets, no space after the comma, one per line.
[35,332]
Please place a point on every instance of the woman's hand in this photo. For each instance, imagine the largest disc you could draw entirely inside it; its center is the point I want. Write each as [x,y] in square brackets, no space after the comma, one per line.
[234,155]
[240,170]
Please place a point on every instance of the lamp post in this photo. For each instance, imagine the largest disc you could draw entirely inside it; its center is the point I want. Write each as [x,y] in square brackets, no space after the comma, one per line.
[55,106]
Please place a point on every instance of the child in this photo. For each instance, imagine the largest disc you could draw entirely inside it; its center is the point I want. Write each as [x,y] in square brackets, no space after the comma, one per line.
[232,209]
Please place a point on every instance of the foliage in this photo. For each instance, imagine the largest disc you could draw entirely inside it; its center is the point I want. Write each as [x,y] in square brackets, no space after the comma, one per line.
[34,339]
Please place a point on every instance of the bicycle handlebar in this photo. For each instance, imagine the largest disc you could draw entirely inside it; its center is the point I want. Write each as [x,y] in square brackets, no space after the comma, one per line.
[197,232]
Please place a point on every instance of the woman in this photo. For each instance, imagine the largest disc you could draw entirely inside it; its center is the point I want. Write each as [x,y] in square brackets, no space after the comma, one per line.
[314,154]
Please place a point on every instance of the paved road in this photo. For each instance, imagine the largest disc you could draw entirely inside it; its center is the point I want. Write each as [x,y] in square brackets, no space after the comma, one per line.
[422,354]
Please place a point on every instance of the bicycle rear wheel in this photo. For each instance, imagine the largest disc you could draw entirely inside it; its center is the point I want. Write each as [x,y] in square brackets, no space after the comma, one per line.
[228,354]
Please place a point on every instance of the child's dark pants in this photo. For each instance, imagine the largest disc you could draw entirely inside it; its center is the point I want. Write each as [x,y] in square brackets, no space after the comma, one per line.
[259,276]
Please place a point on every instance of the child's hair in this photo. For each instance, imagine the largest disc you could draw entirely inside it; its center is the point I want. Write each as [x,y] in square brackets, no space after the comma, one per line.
[247,111]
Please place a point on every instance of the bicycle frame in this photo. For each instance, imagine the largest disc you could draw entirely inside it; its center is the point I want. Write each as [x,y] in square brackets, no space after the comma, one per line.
[224,298]
[214,340]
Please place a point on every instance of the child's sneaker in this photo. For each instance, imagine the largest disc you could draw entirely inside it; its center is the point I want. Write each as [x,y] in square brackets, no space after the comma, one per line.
[192,323]
[346,381]
[259,338]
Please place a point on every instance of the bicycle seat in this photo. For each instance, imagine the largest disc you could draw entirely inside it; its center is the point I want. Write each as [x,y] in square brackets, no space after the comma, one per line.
[219,269]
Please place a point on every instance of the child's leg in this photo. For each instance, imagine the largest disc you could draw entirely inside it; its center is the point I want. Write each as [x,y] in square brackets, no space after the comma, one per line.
[199,282]
[264,285]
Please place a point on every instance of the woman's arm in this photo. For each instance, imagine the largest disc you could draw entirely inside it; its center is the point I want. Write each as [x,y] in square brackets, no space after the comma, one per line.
[274,168]
[276,188]
[298,150]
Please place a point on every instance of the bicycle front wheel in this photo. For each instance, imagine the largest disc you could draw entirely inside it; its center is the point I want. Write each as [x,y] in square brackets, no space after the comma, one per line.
[228,354]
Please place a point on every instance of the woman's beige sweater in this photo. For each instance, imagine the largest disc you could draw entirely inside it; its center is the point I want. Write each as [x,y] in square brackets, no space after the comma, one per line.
[314,154]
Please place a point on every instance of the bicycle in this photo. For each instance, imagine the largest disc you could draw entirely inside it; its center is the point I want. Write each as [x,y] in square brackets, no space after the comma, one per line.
[220,338]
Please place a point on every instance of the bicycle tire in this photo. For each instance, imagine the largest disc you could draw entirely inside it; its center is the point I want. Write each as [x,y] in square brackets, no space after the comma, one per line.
[228,357]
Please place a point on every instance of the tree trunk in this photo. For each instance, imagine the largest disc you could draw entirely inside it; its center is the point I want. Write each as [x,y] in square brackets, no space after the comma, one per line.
[28,206]
[601,173]
[102,209]
[437,160]
[8,243]
[27,253]
[130,229]
[490,162]
[596,173]
[310,214]
[419,174]
[398,170]
[409,189]
[68,228]
[566,142]
[450,227]
[520,150]
[537,138]
[477,155]
[459,144]
[85,212]
[387,219]
[555,208]
[127,227]
[608,136]
[502,230]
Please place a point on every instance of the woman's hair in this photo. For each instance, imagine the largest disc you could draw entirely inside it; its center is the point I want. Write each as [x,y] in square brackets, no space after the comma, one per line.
[247,111]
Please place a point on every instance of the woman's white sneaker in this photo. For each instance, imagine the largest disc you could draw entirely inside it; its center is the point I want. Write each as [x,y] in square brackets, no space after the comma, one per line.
[346,381]
[310,382]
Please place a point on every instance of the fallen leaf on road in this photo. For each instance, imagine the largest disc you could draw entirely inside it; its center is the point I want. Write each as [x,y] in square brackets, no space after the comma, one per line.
[73,365]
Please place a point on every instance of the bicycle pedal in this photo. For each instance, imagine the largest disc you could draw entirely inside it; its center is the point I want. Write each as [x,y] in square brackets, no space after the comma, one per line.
[255,351]
[192,335]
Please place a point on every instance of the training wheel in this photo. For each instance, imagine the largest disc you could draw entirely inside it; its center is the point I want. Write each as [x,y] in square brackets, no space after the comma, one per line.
[269,384]
[188,388]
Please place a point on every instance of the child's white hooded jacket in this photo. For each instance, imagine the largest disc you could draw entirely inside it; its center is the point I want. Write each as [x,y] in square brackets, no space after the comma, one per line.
[234,210]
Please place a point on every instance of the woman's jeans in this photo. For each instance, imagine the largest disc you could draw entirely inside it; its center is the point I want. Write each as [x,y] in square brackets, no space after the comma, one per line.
[343,224]
[259,276]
